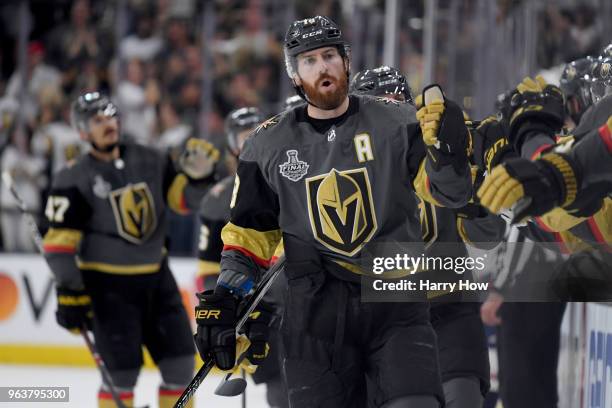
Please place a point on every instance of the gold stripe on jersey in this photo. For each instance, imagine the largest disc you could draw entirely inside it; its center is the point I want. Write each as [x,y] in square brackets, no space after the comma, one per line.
[207,268]
[421,185]
[280,249]
[259,243]
[62,240]
[461,230]
[572,243]
[601,223]
[118,269]
[429,223]
[558,220]
[175,198]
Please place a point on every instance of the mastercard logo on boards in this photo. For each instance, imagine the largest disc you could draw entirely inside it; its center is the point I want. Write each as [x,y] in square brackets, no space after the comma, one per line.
[9,297]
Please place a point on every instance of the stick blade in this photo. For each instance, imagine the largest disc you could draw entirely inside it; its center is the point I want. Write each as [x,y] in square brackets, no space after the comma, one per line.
[231,388]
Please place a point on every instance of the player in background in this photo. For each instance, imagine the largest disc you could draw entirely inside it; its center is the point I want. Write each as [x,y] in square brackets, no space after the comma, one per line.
[336,176]
[214,209]
[105,246]
[55,139]
[214,215]
[581,277]
[462,348]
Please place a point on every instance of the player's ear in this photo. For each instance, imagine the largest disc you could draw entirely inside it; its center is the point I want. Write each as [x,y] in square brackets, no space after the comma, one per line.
[297,80]
[84,135]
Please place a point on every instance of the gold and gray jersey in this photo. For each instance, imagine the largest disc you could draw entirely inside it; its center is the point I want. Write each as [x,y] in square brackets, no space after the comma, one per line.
[592,153]
[111,215]
[338,191]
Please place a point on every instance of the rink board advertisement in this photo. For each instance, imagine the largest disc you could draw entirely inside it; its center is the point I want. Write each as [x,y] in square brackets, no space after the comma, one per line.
[28,330]
[572,363]
[598,338]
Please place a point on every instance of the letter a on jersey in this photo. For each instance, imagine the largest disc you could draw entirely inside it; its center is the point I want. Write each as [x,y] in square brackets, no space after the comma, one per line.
[134,212]
[341,209]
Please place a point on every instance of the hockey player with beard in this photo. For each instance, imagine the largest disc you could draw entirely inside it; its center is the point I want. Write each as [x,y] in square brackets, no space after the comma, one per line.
[337,176]
[105,246]
[462,345]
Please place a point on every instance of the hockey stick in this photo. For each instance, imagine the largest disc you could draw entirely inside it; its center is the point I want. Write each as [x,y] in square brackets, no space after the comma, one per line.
[252,302]
[38,240]
[244,401]
[32,226]
[103,370]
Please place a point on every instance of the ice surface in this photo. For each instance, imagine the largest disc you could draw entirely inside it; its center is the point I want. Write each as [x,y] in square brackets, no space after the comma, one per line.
[84,383]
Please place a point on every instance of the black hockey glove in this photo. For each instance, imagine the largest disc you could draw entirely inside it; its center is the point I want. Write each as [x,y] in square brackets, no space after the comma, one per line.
[216,333]
[496,148]
[217,316]
[257,330]
[444,131]
[73,309]
[530,188]
[535,107]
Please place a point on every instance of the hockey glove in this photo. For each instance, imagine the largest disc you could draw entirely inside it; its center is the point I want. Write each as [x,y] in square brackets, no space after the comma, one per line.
[496,148]
[529,188]
[216,317]
[216,333]
[73,309]
[199,159]
[444,131]
[257,331]
[535,107]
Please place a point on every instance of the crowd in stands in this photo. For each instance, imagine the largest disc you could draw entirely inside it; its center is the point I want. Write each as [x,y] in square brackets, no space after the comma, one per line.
[150,56]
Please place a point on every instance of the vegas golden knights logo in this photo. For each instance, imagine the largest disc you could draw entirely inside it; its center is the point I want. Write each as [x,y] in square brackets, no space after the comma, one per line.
[341,210]
[134,211]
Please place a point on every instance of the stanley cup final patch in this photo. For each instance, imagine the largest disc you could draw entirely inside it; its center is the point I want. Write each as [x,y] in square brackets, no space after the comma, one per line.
[294,169]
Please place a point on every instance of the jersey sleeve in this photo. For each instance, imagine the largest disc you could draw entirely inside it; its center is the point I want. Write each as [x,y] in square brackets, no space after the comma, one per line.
[253,233]
[593,153]
[209,253]
[68,213]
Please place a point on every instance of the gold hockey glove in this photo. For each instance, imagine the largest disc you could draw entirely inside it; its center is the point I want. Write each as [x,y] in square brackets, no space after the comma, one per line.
[529,188]
[199,159]
[444,131]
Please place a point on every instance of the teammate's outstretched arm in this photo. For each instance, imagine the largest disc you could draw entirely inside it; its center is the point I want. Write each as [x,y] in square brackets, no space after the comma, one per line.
[554,180]
[184,187]
[67,212]
[443,177]
[537,113]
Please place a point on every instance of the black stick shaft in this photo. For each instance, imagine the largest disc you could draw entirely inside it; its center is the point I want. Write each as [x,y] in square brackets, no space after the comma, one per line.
[102,368]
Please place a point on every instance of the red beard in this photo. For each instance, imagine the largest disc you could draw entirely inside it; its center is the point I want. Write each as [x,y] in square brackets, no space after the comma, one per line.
[326,100]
